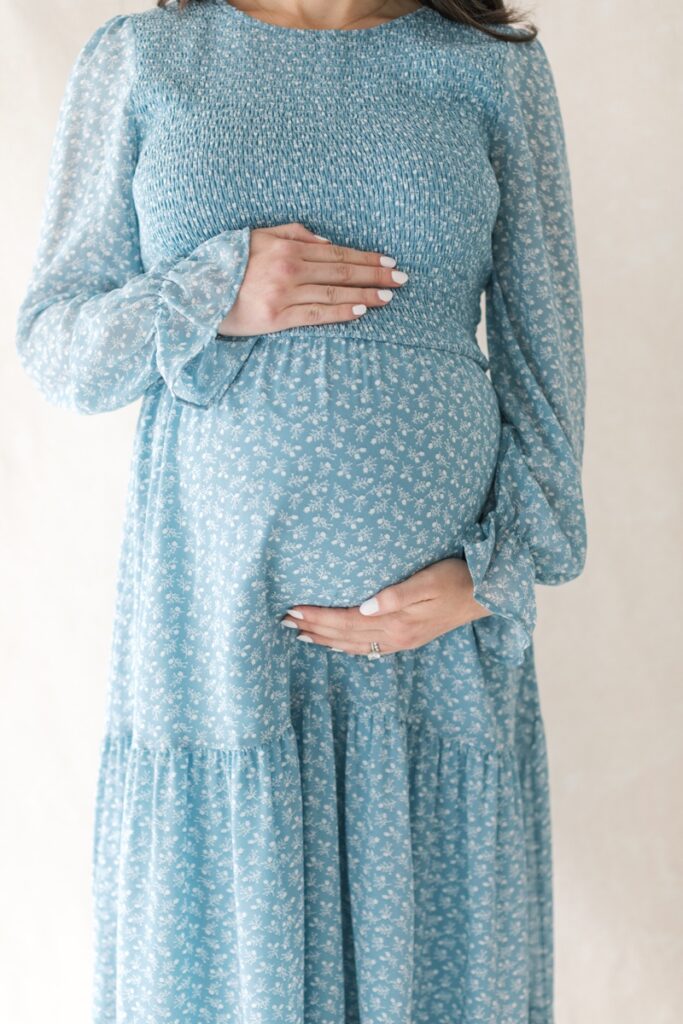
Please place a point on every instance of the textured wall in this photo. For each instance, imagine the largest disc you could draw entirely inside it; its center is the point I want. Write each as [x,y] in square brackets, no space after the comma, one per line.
[607,652]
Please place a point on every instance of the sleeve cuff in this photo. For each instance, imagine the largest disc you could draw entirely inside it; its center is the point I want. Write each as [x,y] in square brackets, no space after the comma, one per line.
[501,563]
[196,362]
[503,575]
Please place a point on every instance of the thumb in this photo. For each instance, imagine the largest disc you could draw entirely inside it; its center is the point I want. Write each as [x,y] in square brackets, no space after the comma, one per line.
[299,232]
[396,596]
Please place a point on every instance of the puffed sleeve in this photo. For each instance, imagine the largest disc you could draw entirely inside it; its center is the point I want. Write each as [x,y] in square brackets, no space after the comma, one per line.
[532,529]
[96,328]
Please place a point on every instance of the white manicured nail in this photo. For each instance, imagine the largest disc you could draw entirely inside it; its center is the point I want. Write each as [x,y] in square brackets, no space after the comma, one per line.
[290,625]
[385,294]
[306,639]
[295,613]
[322,238]
[369,607]
[340,649]
[387,261]
[399,276]
[360,309]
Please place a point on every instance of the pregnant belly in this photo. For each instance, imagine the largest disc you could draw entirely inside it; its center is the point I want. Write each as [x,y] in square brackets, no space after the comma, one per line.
[333,467]
[329,469]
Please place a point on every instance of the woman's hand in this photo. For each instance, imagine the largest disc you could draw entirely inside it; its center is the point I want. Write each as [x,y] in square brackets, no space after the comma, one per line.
[293,278]
[404,615]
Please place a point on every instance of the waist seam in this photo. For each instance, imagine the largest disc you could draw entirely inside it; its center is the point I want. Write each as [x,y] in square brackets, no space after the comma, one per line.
[467,349]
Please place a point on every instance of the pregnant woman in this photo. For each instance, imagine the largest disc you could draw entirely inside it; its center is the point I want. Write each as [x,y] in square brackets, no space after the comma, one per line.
[323,792]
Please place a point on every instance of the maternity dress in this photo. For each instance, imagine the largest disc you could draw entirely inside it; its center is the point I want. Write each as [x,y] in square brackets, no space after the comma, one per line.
[285,834]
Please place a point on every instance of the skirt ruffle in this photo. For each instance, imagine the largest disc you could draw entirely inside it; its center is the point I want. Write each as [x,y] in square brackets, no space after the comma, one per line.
[361,866]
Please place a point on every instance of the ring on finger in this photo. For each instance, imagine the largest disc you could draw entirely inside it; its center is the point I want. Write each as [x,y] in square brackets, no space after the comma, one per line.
[375,650]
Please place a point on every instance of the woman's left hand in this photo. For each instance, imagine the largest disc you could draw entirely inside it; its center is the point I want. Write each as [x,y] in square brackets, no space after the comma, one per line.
[403,616]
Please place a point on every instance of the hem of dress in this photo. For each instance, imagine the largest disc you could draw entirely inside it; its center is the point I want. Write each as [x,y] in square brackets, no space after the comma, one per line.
[203,810]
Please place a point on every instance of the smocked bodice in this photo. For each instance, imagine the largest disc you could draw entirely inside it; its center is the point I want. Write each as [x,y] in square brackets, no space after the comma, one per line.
[245,123]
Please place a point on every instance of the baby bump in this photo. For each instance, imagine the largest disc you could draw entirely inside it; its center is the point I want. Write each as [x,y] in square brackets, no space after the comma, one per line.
[333,467]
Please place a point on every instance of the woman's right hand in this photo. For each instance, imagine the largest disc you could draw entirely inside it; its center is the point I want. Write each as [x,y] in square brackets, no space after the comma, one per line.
[293,278]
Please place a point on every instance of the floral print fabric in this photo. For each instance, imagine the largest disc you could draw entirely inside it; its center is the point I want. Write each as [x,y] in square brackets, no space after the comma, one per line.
[285,834]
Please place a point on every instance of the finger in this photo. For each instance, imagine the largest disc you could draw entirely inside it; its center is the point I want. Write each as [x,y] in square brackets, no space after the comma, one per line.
[312,313]
[338,295]
[355,646]
[347,254]
[327,250]
[366,633]
[316,313]
[332,272]
[398,596]
[342,620]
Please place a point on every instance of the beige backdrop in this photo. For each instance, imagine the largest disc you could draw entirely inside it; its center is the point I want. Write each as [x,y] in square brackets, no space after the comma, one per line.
[607,644]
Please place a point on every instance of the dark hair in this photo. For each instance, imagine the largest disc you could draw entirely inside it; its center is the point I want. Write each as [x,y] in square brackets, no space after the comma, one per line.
[481,14]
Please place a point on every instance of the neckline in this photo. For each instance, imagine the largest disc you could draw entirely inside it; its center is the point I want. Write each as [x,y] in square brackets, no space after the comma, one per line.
[267,26]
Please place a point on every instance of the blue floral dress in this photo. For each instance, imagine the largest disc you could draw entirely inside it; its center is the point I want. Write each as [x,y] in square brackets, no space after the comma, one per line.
[286,834]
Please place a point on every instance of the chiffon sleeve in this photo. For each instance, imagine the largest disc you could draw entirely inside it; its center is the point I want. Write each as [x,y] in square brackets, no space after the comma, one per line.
[532,528]
[96,328]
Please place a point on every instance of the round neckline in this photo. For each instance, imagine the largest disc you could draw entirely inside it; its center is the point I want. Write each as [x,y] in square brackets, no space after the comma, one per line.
[268,26]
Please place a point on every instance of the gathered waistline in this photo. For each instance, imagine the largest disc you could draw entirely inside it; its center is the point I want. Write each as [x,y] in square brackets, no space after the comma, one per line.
[455,345]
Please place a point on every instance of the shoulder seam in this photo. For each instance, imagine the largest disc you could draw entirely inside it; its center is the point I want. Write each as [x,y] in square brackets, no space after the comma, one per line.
[504,78]
[96,38]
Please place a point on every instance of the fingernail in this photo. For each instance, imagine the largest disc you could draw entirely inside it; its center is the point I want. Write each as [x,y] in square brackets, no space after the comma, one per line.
[306,639]
[291,625]
[385,294]
[295,613]
[387,261]
[369,607]
[322,238]
[399,276]
[340,649]
[360,309]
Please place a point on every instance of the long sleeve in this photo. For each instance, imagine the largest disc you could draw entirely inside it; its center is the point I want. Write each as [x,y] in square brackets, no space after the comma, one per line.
[95,329]
[533,528]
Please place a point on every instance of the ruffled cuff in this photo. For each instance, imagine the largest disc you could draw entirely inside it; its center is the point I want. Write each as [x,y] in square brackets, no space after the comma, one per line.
[197,363]
[502,571]
[502,567]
